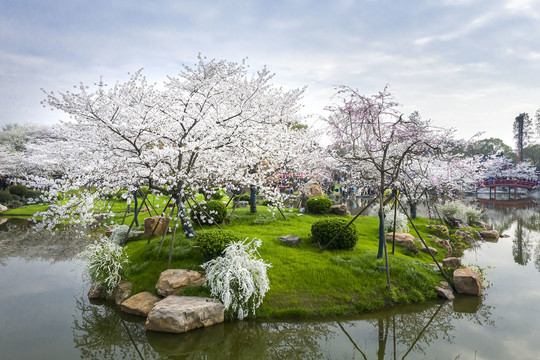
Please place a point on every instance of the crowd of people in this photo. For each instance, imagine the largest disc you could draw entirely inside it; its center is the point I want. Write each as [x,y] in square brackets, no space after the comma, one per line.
[5,182]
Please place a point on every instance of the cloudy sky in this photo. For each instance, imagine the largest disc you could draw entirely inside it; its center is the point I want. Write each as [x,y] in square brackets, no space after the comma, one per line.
[469,64]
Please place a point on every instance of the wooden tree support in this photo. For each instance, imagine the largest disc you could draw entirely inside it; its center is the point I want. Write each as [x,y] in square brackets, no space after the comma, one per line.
[423,242]
[137,210]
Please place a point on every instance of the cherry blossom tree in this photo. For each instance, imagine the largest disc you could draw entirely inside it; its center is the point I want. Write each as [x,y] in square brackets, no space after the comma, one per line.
[212,124]
[372,139]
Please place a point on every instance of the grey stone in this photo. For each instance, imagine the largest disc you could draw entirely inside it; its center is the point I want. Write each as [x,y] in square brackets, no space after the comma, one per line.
[97,291]
[171,281]
[178,314]
[338,209]
[242,204]
[140,304]
[445,292]
[122,292]
[3,208]
[468,282]
[453,262]
[291,240]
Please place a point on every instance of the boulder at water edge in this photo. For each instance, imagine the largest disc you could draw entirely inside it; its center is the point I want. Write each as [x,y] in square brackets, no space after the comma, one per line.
[339,209]
[468,282]
[122,292]
[151,222]
[178,314]
[490,235]
[444,291]
[173,280]
[140,304]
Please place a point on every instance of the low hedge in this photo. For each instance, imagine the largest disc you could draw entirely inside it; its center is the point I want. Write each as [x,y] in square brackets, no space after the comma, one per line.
[318,205]
[323,231]
[213,242]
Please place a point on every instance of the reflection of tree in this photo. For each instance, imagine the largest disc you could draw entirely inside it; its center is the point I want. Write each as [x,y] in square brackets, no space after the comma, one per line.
[100,332]
[521,246]
[414,332]
[19,239]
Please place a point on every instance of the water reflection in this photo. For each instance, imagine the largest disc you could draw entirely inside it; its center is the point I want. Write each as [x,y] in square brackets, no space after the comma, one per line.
[100,331]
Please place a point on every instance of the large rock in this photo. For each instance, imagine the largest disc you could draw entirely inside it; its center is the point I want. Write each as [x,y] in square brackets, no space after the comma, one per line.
[405,240]
[468,282]
[339,209]
[3,208]
[444,291]
[122,292]
[490,234]
[140,304]
[173,280]
[453,262]
[291,240]
[444,244]
[312,189]
[150,224]
[178,314]
[481,225]
[97,291]
[429,249]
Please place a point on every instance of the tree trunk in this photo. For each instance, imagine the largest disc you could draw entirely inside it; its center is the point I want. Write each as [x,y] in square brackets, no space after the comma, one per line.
[412,208]
[253,199]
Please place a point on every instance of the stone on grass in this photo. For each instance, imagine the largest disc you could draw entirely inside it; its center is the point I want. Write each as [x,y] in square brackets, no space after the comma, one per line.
[339,209]
[122,292]
[444,291]
[444,244]
[150,224]
[468,282]
[178,314]
[171,281]
[490,234]
[405,240]
[3,208]
[140,304]
[432,250]
[453,262]
[291,240]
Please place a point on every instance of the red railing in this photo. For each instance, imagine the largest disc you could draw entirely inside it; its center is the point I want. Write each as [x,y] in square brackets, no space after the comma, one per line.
[527,184]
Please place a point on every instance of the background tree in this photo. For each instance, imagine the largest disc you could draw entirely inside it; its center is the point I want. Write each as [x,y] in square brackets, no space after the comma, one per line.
[523,132]
[490,146]
[532,154]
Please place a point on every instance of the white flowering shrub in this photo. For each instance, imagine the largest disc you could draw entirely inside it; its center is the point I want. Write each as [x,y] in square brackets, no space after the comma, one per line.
[238,278]
[106,261]
[119,234]
[402,223]
[460,212]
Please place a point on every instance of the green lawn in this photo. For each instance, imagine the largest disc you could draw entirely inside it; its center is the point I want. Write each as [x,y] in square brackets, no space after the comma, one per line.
[303,281]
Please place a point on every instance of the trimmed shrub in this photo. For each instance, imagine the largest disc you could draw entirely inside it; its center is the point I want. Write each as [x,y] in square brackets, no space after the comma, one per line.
[31,194]
[5,198]
[219,194]
[323,231]
[318,205]
[214,208]
[19,190]
[213,242]
[243,197]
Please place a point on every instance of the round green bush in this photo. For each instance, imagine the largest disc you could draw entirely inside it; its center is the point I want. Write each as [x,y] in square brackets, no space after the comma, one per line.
[219,194]
[19,190]
[31,194]
[323,231]
[215,208]
[213,242]
[243,197]
[5,198]
[318,205]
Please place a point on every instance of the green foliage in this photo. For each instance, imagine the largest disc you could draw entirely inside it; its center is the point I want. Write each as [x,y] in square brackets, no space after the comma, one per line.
[219,194]
[5,198]
[19,190]
[31,194]
[318,205]
[323,231]
[243,197]
[213,242]
[105,263]
[213,208]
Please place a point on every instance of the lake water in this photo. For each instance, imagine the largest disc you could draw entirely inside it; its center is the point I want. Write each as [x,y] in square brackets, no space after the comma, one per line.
[45,313]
